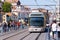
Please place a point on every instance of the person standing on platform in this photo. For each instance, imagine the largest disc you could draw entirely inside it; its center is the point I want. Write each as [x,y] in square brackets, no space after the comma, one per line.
[54,27]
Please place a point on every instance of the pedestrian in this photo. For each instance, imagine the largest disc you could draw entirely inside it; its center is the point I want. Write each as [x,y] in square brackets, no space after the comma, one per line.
[1,29]
[58,29]
[9,26]
[12,24]
[54,28]
[15,25]
[59,24]
[18,24]
[5,27]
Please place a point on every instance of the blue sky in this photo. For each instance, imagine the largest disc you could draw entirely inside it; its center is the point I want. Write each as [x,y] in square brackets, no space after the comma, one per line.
[40,2]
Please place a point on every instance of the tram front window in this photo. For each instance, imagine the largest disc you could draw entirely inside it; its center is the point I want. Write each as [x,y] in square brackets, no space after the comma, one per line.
[37,21]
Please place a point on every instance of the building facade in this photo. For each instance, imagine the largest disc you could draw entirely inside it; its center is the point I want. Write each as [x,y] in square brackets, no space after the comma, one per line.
[11,1]
[58,10]
[20,10]
[6,17]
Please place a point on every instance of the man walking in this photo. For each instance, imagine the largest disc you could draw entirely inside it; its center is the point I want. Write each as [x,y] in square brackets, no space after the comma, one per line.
[54,29]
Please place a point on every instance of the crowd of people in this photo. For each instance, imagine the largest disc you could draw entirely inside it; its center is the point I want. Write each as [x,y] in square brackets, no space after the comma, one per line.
[12,25]
[54,29]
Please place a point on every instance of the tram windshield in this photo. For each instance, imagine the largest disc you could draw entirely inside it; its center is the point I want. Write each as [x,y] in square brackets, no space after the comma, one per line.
[36,21]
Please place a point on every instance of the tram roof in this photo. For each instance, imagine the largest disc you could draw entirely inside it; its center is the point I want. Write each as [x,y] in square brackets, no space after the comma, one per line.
[36,14]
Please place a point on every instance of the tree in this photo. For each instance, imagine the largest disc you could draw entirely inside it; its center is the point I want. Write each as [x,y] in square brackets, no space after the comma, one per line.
[0,0]
[6,7]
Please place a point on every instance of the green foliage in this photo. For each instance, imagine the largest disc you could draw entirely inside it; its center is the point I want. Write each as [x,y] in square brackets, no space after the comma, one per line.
[0,0]
[6,7]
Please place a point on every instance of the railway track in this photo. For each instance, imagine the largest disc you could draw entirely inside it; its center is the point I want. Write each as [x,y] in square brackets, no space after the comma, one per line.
[24,36]
[15,34]
[32,36]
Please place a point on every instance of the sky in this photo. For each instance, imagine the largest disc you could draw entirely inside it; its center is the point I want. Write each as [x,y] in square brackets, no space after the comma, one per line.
[39,2]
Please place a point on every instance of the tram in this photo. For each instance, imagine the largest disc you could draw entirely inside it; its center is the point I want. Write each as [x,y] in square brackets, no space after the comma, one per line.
[37,22]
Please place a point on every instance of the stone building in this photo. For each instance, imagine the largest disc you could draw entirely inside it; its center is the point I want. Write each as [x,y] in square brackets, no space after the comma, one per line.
[58,10]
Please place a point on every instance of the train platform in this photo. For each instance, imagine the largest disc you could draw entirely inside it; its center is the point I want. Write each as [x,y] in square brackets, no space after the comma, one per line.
[9,34]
